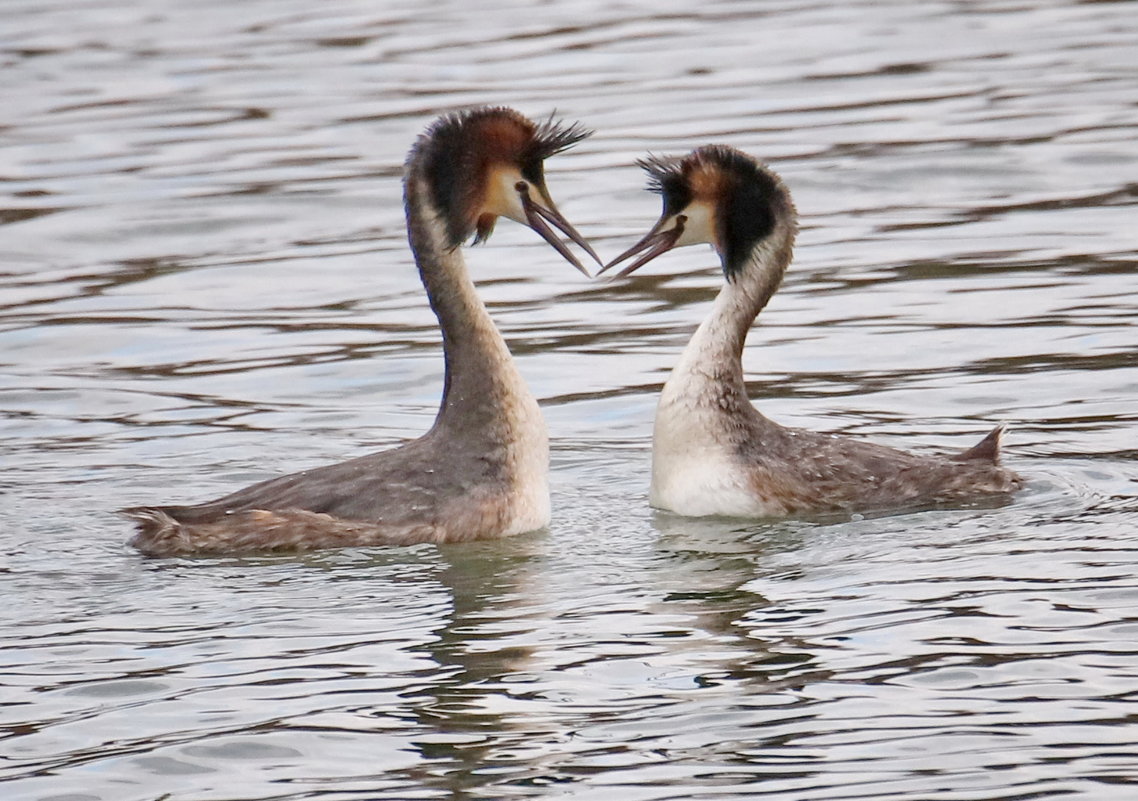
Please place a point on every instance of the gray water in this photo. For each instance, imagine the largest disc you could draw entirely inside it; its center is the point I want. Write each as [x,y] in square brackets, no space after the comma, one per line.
[204,282]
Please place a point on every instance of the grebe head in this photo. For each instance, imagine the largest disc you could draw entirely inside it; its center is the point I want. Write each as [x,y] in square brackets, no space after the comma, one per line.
[718,195]
[486,163]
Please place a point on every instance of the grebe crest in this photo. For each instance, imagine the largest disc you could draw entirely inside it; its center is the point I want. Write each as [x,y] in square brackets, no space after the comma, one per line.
[482,469]
[713,453]
[484,163]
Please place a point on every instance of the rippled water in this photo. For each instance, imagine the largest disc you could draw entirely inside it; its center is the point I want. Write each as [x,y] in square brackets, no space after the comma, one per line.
[204,282]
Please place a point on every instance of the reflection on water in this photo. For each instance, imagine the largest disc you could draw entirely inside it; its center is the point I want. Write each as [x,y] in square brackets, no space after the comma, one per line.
[204,282]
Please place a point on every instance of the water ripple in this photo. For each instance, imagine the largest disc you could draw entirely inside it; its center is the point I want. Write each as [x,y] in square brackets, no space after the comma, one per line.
[204,282]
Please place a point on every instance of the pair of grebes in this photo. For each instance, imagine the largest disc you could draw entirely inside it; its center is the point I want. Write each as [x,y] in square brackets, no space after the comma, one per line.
[482,469]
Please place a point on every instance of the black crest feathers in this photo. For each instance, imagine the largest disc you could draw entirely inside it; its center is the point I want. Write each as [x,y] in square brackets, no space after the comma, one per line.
[457,151]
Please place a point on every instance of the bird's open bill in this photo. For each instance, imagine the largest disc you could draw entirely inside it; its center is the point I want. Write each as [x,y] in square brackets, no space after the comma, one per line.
[658,240]
[540,214]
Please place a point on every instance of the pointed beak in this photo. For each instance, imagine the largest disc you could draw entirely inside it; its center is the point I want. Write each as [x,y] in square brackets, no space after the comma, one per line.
[659,240]
[541,214]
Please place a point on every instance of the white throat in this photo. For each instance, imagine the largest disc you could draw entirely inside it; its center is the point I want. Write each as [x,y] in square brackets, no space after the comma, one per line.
[704,412]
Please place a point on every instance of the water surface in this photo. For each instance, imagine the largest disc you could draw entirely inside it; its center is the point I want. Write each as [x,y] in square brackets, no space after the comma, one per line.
[204,282]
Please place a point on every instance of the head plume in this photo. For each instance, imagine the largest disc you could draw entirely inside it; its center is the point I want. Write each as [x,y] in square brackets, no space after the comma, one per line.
[748,198]
[459,149]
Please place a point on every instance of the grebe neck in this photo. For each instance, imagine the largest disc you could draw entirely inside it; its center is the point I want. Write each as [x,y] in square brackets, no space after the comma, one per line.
[714,356]
[482,389]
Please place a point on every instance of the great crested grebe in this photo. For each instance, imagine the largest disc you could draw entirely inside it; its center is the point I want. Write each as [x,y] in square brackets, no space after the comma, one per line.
[713,453]
[482,470]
